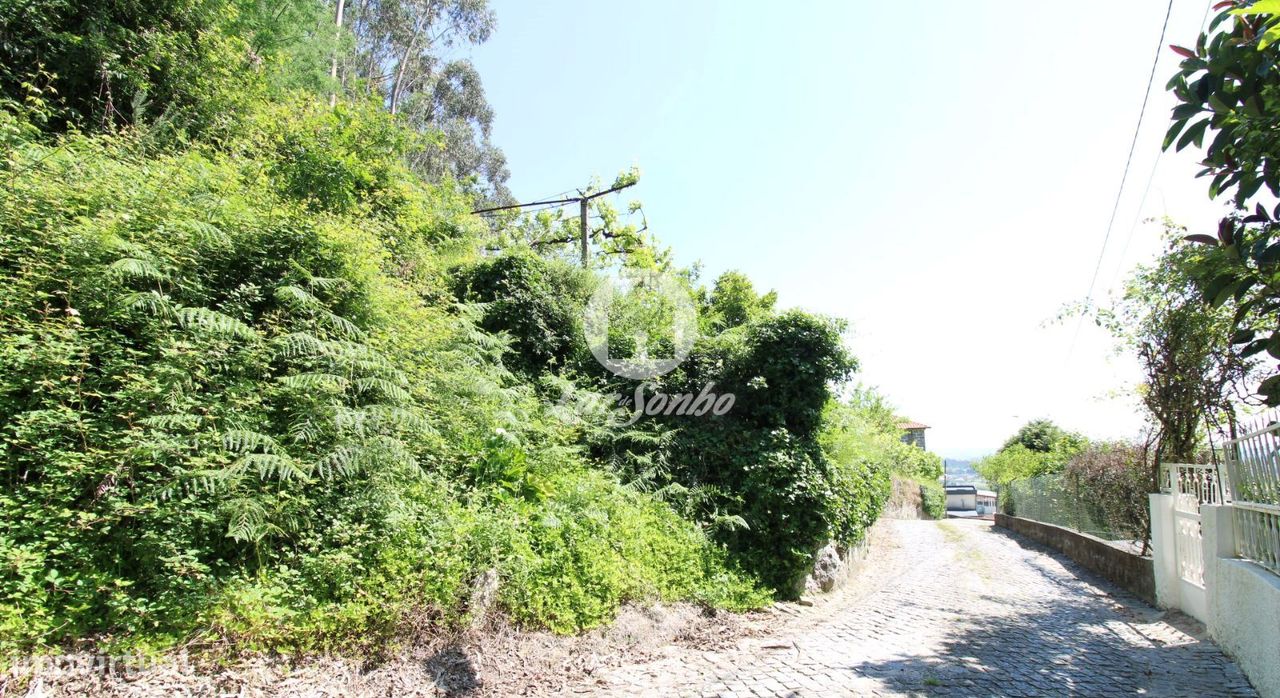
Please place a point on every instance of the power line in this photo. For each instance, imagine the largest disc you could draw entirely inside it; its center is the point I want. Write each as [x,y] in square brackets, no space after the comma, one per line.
[573,200]
[1146,191]
[1137,217]
[1133,145]
[1146,96]
[559,194]
[583,200]
[533,207]
[509,207]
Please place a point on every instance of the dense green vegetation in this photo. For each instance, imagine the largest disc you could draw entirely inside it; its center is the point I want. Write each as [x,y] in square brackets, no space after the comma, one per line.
[268,384]
[1039,447]
[1053,475]
[1228,87]
[933,498]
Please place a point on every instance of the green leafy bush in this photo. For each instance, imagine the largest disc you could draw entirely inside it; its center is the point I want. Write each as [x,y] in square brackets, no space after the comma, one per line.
[240,408]
[933,498]
[538,302]
[776,493]
[1114,481]
[1038,448]
[194,66]
[263,392]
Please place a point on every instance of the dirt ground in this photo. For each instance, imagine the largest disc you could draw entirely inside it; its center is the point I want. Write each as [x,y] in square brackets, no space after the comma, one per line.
[495,659]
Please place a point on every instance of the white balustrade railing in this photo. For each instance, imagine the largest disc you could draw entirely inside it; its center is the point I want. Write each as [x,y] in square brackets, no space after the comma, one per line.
[1252,462]
[1199,480]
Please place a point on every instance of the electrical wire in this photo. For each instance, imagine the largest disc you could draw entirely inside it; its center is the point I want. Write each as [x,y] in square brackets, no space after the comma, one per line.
[1146,191]
[1115,208]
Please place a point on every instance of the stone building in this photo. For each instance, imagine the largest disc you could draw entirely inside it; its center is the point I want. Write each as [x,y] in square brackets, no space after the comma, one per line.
[914,434]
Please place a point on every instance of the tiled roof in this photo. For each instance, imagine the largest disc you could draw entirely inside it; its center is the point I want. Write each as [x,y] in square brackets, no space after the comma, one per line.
[912,425]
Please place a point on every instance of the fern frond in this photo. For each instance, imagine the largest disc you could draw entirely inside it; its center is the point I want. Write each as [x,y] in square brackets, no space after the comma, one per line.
[152,303]
[349,352]
[473,313]
[246,520]
[214,323]
[245,440]
[305,431]
[134,268]
[361,359]
[328,285]
[271,466]
[343,462]
[373,366]
[208,480]
[206,234]
[297,298]
[380,416]
[385,388]
[728,522]
[172,421]
[326,382]
[113,242]
[349,420]
[297,344]
[392,453]
[342,325]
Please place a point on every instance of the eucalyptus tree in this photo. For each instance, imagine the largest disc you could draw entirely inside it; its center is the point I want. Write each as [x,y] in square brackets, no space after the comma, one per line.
[400,54]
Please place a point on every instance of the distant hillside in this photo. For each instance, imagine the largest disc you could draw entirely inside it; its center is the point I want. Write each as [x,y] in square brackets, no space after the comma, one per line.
[961,472]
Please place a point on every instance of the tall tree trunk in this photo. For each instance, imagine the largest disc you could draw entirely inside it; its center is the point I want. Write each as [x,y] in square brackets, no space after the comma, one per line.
[333,64]
[403,66]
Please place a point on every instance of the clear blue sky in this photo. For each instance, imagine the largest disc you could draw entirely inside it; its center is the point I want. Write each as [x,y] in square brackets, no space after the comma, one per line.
[938,173]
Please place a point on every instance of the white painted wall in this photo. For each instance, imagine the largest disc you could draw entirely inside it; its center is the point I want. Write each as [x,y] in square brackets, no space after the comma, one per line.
[1240,602]
[1163,552]
[1244,603]
[962,502]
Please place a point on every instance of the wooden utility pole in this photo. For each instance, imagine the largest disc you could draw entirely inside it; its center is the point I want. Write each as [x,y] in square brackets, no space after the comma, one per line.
[582,223]
[584,206]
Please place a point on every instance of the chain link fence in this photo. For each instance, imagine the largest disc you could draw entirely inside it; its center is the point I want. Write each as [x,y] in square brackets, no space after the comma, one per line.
[1076,503]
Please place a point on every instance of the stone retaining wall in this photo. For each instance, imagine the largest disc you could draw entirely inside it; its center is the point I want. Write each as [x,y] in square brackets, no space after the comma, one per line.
[1132,572]
[905,501]
[833,566]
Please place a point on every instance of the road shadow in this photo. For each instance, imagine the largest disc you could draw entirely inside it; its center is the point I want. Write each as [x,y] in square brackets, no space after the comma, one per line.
[1077,643]
[1078,571]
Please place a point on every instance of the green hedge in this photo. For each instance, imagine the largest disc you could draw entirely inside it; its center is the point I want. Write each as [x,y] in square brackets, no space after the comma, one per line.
[933,497]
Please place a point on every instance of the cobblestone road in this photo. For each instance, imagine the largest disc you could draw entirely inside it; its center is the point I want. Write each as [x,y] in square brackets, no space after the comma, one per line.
[955,608]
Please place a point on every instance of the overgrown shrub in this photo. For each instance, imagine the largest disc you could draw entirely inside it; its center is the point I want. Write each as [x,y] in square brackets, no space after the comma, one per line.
[232,407]
[933,498]
[244,406]
[1114,479]
[261,391]
[538,302]
[762,462]
[1102,491]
